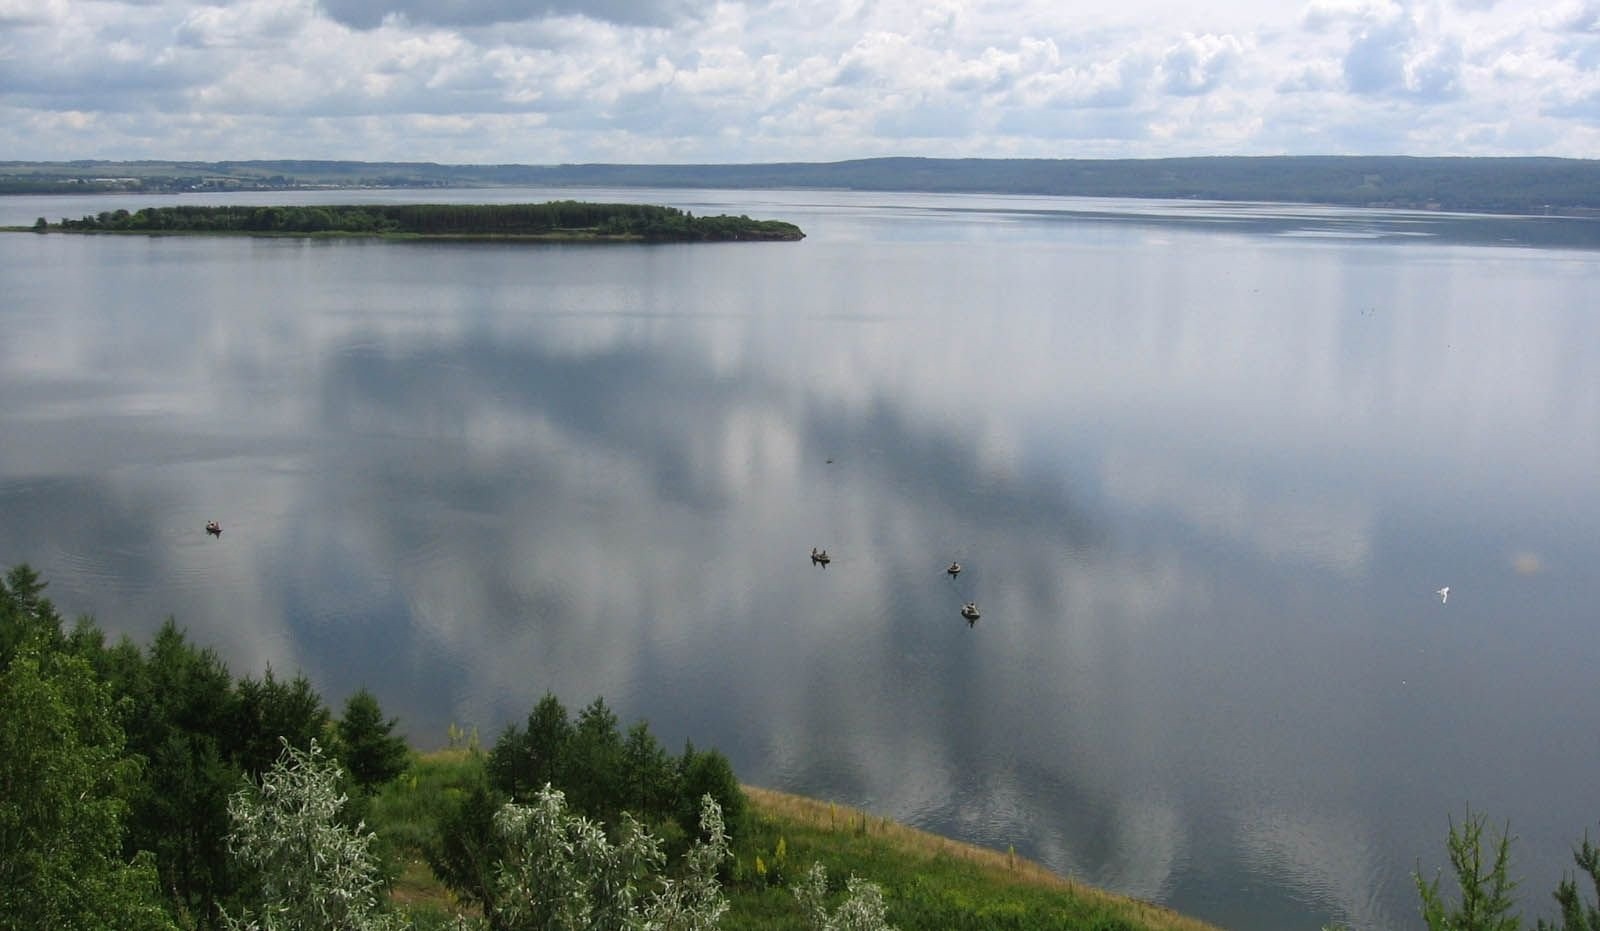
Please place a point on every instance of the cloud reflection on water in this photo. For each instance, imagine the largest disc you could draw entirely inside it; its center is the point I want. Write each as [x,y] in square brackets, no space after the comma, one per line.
[1184,476]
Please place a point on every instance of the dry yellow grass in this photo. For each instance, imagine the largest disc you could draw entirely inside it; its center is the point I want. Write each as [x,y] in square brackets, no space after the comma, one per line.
[1001,867]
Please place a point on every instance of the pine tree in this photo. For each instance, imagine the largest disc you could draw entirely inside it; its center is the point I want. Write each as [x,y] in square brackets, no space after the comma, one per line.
[1485,888]
[371,751]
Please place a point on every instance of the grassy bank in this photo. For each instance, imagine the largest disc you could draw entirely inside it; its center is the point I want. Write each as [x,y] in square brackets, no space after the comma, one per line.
[929,882]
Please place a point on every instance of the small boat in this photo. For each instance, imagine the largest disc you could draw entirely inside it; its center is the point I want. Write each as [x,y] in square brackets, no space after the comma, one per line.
[213,528]
[819,557]
[955,569]
[970,612]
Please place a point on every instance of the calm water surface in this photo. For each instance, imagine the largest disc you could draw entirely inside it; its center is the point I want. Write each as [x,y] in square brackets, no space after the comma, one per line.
[1205,465]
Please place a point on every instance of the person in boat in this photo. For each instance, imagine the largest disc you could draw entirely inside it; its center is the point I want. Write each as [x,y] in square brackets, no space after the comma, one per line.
[955,568]
[213,528]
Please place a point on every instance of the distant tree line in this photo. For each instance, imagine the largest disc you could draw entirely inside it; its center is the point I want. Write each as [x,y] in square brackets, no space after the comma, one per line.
[1512,185]
[622,221]
[51,183]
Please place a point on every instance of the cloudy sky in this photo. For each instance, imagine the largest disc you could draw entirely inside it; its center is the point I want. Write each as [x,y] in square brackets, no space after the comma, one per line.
[548,81]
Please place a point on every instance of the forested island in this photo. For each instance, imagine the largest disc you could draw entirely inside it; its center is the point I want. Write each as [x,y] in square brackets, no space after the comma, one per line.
[1499,185]
[565,221]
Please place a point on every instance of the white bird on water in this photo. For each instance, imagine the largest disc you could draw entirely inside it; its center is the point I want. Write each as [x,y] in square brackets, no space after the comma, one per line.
[1444,594]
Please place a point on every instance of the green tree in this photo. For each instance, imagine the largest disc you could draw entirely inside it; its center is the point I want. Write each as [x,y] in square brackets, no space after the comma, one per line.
[507,763]
[181,714]
[26,615]
[268,712]
[181,815]
[522,762]
[707,772]
[313,871]
[63,775]
[466,853]
[1485,887]
[594,772]
[371,751]
[649,780]
[1575,914]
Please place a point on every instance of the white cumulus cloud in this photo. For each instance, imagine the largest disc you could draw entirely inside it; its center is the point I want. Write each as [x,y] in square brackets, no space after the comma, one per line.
[771,80]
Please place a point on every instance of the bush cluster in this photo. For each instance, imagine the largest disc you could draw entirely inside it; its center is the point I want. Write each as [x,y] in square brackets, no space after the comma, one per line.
[604,773]
[122,765]
[182,732]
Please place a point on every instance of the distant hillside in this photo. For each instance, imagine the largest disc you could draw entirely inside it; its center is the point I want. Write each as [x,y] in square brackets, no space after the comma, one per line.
[1503,185]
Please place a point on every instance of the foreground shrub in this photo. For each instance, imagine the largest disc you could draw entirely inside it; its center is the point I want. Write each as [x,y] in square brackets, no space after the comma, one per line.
[314,872]
[862,910]
[561,873]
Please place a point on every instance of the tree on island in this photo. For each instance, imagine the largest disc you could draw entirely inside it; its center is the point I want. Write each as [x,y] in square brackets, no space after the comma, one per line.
[558,220]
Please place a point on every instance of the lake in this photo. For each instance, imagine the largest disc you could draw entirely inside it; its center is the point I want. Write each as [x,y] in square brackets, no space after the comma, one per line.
[1205,467]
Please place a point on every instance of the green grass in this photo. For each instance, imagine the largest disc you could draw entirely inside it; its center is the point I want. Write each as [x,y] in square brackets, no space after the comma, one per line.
[405,816]
[405,813]
[930,883]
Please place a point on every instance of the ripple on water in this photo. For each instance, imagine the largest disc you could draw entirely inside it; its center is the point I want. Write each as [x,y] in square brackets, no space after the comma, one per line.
[86,566]
[1326,867]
